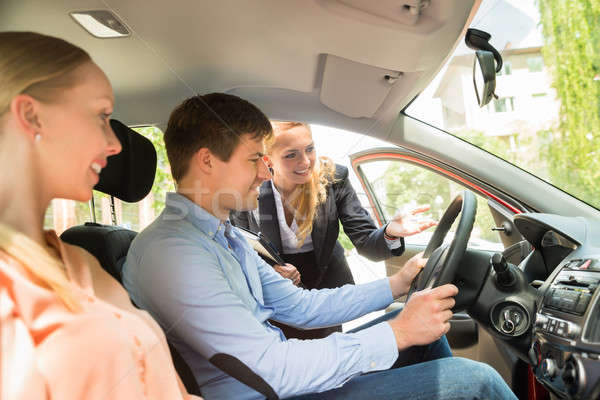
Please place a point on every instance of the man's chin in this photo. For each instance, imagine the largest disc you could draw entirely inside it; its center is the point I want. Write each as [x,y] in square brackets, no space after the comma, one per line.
[248,205]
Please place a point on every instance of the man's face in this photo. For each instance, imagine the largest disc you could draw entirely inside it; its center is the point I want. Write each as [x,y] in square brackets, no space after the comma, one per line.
[236,181]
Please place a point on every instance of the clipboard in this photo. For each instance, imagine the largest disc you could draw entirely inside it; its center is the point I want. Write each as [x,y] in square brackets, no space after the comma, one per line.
[262,246]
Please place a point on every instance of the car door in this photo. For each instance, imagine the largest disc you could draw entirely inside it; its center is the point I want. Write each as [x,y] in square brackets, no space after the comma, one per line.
[395,178]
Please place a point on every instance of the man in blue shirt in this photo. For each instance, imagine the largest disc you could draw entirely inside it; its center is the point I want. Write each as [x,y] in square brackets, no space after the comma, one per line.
[213,295]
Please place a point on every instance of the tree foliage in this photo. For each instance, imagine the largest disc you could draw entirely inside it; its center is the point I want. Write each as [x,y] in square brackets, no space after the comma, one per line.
[163,181]
[572,51]
[409,186]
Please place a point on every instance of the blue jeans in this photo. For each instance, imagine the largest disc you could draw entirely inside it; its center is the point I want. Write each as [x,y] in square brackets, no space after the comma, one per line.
[423,373]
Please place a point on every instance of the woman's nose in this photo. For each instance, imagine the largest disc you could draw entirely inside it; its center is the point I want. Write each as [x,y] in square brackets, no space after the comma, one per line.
[305,160]
[113,143]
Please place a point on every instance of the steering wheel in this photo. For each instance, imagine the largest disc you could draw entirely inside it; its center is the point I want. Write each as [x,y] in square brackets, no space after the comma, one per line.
[443,261]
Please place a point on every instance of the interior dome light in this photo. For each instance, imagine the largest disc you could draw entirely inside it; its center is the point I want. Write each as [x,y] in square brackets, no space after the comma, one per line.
[101,23]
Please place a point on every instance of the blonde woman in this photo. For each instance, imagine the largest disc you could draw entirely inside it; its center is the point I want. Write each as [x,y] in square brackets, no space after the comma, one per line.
[67,329]
[299,210]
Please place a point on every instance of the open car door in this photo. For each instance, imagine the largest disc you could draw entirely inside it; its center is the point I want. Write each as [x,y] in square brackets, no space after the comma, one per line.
[394,179]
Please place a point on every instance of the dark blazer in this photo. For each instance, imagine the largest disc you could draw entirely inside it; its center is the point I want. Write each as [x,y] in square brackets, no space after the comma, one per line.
[341,204]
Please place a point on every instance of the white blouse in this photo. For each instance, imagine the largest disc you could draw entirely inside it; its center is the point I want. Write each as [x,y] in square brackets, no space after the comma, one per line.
[289,241]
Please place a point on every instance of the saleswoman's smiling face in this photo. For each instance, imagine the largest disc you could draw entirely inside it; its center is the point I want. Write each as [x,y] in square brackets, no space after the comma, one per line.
[293,156]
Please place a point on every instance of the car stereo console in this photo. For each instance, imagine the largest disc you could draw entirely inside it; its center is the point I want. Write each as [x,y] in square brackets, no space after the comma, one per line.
[566,350]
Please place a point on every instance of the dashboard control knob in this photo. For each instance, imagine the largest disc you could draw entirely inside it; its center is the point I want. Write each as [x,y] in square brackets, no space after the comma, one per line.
[548,368]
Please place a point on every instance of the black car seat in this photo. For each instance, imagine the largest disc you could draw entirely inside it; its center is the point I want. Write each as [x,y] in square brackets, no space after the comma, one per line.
[128,176]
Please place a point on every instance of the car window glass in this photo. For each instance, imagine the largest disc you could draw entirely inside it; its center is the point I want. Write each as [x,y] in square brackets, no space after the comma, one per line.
[400,186]
[546,118]
[62,214]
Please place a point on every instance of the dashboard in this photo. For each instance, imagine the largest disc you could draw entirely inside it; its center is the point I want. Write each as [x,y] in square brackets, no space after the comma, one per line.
[565,353]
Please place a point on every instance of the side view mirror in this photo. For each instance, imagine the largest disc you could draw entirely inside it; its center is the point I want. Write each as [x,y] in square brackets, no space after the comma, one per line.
[487,62]
[484,77]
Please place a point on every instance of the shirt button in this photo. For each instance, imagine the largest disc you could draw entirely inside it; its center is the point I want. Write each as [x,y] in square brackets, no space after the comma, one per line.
[373,364]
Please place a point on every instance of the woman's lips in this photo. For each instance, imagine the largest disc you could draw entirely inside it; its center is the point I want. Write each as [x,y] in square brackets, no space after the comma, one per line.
[303,172]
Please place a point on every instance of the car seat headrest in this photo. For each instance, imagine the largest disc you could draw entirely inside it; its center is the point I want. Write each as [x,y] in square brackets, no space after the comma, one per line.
[129,175]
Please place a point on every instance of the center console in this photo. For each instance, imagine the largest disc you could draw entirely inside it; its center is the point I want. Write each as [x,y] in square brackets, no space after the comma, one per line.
[566,350]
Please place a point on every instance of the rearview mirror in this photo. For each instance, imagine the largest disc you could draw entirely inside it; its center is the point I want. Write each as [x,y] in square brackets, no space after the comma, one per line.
[484,76]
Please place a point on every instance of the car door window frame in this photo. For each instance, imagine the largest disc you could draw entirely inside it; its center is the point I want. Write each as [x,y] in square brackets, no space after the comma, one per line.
[415,159]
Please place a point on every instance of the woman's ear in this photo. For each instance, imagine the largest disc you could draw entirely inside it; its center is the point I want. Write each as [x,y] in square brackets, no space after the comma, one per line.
[25,110]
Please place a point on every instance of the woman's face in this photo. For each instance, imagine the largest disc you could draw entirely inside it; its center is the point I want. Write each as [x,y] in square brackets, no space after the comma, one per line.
[293,156]
[75,135]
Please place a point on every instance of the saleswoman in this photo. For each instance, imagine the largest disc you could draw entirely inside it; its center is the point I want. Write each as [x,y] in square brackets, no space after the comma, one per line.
[299,212]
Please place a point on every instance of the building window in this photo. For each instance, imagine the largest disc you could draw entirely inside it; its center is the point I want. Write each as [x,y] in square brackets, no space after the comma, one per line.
[503,104]
[506,69]
[535,64]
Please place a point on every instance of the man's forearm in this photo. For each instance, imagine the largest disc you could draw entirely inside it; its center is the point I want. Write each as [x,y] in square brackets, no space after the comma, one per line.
[327,307]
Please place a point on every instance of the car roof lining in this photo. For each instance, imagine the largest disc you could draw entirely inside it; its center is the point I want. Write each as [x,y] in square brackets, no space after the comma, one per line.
[269,52]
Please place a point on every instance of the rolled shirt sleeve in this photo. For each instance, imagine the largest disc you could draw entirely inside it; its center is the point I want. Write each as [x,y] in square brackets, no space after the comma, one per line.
[190,290]
[318,308]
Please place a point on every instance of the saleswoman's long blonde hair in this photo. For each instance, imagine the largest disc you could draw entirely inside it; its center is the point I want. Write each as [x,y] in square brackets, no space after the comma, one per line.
[40,66]
[305,198]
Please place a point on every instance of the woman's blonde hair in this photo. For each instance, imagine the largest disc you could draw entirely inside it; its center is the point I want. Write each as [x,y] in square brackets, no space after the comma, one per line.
[40,66]
[305,198]
[35,64]
[49,270]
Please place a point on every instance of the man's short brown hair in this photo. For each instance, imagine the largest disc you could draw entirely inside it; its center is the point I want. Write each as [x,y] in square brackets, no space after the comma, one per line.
[214,121]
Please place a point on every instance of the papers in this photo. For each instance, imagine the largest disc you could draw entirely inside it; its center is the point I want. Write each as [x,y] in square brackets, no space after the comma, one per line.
[262,246]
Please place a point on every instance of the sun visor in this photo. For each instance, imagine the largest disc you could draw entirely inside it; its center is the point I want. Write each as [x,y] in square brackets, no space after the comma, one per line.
[355,89]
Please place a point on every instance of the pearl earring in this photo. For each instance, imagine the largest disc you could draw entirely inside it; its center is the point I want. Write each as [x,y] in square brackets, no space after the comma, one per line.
[37,137]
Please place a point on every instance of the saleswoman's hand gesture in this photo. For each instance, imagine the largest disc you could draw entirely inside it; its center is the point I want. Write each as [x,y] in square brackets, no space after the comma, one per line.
[410,223]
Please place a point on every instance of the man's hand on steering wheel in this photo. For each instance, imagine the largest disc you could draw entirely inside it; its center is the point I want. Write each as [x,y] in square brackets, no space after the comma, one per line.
[401,280]
[427,312]
[425,317]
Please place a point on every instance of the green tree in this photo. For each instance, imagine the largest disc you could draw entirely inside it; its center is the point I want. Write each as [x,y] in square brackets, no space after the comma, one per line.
[406,184]
[344,239]
[163,181]
[572,51]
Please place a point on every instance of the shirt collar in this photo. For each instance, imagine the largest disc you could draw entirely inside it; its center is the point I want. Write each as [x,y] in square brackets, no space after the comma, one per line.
[179,207]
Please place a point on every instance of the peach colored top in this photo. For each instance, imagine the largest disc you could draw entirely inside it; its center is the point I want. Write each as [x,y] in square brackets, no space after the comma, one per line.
[102,352]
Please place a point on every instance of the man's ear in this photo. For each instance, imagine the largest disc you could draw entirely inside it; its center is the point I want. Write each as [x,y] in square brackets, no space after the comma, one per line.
[25,110]
[204,160]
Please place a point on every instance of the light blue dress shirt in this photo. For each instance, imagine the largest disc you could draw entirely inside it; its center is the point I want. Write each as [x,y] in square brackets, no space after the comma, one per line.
[212,294]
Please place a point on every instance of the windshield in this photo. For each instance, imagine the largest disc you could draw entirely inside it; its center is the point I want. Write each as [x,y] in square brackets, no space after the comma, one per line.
[546,119]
